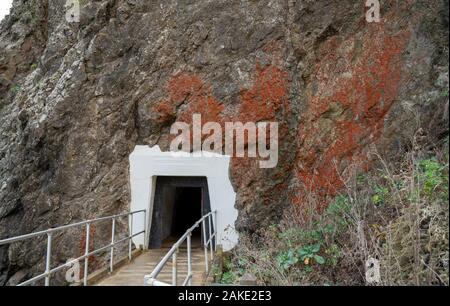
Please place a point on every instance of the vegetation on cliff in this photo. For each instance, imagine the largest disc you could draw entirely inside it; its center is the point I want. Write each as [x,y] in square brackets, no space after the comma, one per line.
[398,214]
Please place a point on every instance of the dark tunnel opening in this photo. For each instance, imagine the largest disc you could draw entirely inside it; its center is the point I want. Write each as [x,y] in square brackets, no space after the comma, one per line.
[187,210]
[178,204]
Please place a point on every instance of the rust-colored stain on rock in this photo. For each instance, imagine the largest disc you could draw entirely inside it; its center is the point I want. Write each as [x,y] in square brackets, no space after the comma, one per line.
[347,111]
[267,97]
[353,88]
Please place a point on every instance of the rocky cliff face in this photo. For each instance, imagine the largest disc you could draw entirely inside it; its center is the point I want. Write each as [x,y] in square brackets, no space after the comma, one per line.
[75,98]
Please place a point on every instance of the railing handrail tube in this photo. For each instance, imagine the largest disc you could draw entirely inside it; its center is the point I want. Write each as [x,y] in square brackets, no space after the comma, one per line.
[49,271]
[63,227]
[177,244]
[153,275]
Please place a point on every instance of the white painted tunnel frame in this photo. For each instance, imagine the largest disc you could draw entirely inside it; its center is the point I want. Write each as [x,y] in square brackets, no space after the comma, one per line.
[146,164]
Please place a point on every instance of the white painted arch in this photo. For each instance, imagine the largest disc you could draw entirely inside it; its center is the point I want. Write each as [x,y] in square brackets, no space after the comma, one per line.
[148,163]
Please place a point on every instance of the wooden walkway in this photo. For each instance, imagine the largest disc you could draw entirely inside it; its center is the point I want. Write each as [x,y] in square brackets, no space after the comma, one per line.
[132,274]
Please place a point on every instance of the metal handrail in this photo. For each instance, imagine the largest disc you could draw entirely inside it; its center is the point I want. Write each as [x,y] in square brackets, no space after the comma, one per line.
[150,280]
[49,232]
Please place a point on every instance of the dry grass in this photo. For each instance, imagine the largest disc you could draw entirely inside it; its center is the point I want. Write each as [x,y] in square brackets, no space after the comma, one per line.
[397,214]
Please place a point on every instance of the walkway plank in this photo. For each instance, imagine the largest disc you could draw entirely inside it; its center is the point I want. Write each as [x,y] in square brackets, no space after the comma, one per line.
[133,273]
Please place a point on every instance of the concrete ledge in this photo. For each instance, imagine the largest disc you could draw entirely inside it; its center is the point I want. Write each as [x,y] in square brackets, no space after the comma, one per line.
[216,262]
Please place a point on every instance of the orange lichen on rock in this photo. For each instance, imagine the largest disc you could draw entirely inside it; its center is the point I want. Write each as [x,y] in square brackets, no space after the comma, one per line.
[348,109]
[207,106]
[181,88]
[165,111]
[266,97]
[188,89]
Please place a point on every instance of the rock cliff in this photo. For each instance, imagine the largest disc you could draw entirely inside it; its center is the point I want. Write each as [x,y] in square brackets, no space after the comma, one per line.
[76,97]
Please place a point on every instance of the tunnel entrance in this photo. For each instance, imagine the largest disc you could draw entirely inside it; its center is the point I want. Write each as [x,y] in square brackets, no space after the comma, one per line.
[179,202]
[148,164]
[187,209]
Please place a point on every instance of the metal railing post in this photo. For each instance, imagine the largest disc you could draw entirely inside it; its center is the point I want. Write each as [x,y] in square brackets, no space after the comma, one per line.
[130,217]
[215,230]
[111,261]
[174,268]
[145,230]
[48,259]
[86,253]
[189,259]
[210,237]
[205,245]
[151,279]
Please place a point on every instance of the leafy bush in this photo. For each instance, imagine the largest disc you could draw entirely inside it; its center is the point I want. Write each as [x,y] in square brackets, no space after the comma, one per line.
[433,177]
[228,277]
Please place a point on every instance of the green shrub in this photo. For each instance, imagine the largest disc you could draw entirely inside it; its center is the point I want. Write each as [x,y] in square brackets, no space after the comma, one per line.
[228,278]
[433,177]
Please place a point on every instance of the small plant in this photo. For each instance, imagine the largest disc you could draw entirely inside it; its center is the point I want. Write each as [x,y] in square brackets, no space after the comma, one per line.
[231,271]
[287,259]
[228,278]
[333,253]
[307,254]
[337,212]
[432,176]
[379,196]
[311,252]
[361,178]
